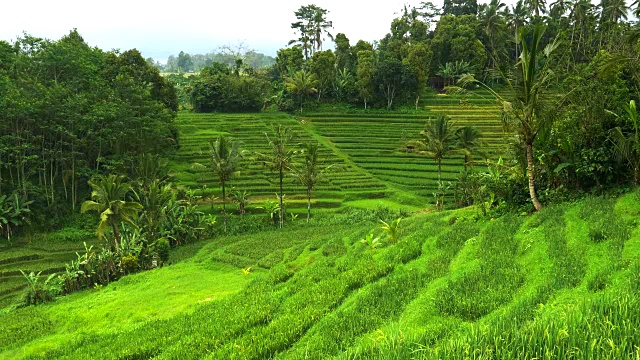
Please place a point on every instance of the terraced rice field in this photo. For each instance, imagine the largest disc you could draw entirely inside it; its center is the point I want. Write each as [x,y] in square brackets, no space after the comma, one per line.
[371,149]
[198,130]
[47,255]
[377,142]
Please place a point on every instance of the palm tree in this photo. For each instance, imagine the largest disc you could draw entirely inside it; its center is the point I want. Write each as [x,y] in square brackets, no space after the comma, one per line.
[537,6]
[302,83]
[226,155]
[155,198]
[308,173]
[438,140]
[492,22]
[517,19]
[109,199]
[468,142]
[280,159]
[580,12]
[528,97]
[559,8]
[614,10]
[627,145]
[320,26]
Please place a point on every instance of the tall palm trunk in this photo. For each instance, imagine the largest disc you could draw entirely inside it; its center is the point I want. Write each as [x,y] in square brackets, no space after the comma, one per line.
[308,205]
[439,170]
[465,162]
[116,233]
[531,175]
[224,206]
[281,202]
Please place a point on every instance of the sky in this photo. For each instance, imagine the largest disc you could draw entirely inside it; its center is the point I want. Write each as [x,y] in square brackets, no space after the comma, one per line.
[159,29]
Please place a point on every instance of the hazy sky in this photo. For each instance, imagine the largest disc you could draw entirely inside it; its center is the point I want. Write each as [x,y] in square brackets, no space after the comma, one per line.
[159,29]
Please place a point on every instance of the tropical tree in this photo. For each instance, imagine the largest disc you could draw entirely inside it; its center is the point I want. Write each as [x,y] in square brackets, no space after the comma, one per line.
[308,173]
[109,198]
[537,6]
[323,67]
[280,159]
[469,143]
[311,26]
[418,61]
[438,140]
[303,84]
[241,197]
[626,145]
[492,23]
[14,212]
[366,75]
[225,155]
[155,199]
[528,98]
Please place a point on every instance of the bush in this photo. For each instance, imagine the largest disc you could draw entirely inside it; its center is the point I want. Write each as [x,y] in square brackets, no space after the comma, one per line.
[162,247]
[37,291]
[129,264]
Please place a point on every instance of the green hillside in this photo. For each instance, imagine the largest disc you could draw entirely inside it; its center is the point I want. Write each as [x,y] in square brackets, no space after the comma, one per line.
[371,149]
[561,283]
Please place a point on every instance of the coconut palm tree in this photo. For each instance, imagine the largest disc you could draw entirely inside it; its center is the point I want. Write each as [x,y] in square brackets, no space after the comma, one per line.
[469,143]
[614,10]
[492,22]
[438,140]
[517,19]
[109,199]
[302,83]
[280,159]
[579,14]
[308,172]
[155,198]
[225,155]
[537,6]
[528,97]
[559,8]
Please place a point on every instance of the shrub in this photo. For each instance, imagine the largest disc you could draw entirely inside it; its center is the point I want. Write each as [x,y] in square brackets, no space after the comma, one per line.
[38,291]
[129,264]
[162,247]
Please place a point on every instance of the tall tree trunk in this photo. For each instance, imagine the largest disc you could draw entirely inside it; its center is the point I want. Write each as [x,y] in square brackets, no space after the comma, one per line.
[439,170]
[532,184]
[365,104]
[417,101]
[465,163]
[224,206]
[281,202]
[116,234]
[308,206]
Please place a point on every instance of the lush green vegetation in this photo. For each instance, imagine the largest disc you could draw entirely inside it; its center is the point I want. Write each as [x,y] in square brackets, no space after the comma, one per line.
[514,287]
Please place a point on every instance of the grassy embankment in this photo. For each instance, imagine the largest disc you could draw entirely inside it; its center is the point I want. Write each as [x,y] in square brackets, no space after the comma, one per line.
[563,282]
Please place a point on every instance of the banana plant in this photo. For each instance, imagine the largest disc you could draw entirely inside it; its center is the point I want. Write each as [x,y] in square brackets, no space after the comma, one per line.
[371,241]
[392,229]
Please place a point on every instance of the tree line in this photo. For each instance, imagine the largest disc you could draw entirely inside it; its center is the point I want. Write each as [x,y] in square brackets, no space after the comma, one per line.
[189,63]
[69,111]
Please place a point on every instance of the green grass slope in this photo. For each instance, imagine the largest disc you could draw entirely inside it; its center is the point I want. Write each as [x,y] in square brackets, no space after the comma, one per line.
[563,283]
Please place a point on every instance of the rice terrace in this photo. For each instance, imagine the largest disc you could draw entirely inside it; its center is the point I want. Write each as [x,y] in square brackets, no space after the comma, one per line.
[463,187]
